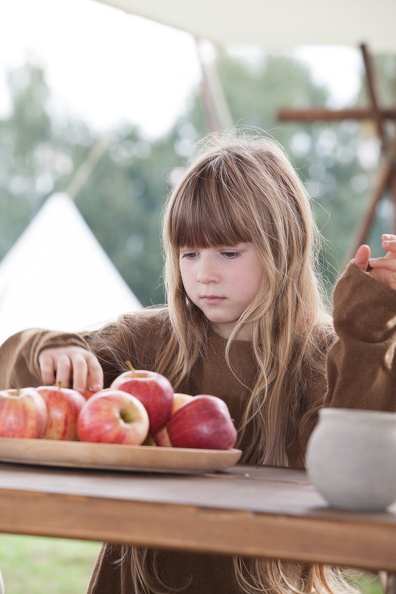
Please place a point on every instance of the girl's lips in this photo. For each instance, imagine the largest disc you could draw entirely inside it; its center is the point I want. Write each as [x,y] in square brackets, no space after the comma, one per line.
[212,299]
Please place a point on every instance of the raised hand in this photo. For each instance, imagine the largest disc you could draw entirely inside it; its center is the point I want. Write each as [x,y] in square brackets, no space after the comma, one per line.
[382,269]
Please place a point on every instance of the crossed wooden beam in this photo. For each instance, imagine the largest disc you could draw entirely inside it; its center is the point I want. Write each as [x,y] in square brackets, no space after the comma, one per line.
[386,178]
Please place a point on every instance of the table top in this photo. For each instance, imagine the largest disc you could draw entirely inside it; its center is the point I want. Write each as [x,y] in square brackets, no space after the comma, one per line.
[247,510]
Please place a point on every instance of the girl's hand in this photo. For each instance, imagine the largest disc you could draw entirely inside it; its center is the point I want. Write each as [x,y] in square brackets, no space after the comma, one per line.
[71,365]
[382,269]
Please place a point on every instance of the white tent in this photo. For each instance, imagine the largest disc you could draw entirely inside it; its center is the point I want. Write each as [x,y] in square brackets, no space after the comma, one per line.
[276,24]
[58,276]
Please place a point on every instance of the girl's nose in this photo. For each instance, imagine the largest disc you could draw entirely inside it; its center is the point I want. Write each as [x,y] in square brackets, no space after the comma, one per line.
[207,271]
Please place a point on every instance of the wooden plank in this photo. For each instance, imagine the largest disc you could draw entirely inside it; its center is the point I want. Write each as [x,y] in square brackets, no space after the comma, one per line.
[190,528]
[281,491]
[313,114]
[247,510]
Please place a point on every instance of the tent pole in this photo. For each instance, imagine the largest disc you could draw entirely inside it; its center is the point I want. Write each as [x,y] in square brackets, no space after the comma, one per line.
[87,166]
[218,116]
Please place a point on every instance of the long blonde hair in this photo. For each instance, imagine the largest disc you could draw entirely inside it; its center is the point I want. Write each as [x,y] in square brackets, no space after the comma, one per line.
[240,189]
[246,190]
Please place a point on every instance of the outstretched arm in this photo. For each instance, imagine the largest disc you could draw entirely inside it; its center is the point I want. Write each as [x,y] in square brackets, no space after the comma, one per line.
[34,357]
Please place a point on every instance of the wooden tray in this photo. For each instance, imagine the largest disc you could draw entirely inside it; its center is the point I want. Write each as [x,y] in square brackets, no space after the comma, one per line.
[78,454]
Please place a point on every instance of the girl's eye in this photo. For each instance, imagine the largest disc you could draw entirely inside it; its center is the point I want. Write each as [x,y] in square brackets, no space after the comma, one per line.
[189,255]
[231,254]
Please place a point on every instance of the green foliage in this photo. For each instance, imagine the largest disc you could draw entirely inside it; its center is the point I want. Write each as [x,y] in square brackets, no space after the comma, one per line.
[36,565]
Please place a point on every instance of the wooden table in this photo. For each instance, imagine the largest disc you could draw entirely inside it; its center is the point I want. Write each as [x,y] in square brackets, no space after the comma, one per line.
[259,511]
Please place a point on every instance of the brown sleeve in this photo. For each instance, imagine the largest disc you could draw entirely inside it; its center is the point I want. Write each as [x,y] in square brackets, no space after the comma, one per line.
[361,371]
[19,354]
[134,337]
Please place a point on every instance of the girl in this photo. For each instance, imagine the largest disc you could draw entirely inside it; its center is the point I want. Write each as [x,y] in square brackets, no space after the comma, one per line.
[245,321]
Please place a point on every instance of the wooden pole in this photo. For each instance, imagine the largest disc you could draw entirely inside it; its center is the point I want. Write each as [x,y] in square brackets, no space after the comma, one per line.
[392,186]
[372,91]
[380,187]
[286,114]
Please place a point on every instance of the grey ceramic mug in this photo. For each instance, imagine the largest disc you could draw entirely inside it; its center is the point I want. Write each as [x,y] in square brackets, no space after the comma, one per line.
[351,458]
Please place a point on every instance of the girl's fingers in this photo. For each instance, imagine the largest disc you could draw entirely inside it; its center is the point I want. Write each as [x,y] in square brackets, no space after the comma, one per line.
[389,243]
[71,366]
[64,370]
[362,257]
[94,373]
[80,372]
[386,263]
[47,367]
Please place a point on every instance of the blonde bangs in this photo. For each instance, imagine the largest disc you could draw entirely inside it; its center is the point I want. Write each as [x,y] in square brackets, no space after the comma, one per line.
[207,212]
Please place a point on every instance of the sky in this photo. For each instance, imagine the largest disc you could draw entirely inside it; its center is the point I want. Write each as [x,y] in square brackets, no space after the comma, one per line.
[107,67]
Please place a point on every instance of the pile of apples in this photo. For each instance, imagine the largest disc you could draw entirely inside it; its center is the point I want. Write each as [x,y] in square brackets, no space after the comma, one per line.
[139,408]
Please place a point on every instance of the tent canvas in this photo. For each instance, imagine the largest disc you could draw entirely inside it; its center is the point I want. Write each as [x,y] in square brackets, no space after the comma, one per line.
[58,276]
[276,25]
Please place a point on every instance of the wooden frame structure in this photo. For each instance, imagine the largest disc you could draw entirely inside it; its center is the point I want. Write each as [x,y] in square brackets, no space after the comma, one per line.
[386,178]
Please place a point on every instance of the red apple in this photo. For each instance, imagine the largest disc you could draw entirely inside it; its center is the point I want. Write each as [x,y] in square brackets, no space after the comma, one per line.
[23,413]
[161,438]
[64,406]
[113,416]
[203,423]
[153,390]
[88,393]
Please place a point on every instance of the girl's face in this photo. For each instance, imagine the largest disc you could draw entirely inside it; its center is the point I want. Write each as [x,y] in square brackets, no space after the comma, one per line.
[222,282]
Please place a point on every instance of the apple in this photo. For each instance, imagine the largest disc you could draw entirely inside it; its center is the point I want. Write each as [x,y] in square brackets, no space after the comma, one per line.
[88,393]
[161,438]
[153,390]
[203,423]
[64,406]
[113,416]
[23,413]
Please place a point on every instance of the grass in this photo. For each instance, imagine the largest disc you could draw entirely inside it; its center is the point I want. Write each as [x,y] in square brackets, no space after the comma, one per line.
[367,583]
[35,565]
[32,565]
